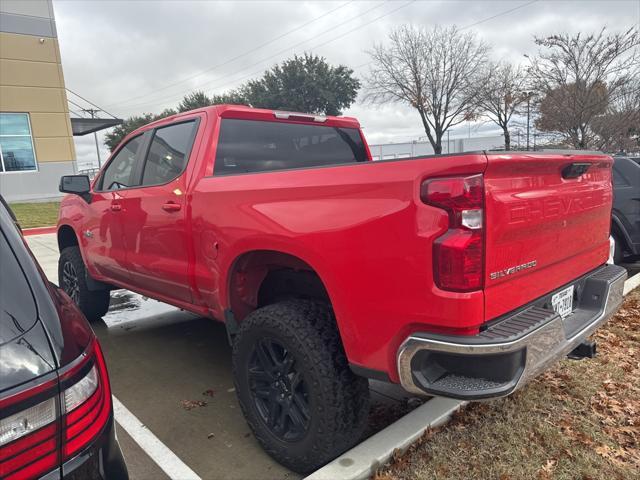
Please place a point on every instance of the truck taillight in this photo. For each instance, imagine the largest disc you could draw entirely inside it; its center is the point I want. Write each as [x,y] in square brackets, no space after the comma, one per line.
[458,254]
[30,440]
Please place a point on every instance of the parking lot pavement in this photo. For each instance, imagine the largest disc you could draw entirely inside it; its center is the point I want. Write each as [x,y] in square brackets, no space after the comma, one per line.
[172,370]
[45,249]
[139,464]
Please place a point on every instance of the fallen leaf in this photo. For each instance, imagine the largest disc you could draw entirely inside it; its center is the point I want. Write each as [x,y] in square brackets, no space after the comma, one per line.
[191,404]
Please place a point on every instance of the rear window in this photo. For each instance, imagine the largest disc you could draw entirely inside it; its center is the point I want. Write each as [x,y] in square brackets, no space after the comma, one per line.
[256,146]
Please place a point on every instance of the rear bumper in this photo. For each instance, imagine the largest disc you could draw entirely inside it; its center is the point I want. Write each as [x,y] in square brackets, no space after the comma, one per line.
[513,349]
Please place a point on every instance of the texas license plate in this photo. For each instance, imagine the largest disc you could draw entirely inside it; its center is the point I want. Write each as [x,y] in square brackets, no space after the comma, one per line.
[562,302]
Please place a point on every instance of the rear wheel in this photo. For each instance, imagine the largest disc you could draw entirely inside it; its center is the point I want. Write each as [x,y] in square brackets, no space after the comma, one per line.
[72,278]
[296,390]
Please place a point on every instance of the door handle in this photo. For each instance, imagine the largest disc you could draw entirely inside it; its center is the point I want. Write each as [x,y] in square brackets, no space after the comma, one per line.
[116,207]
[171,207]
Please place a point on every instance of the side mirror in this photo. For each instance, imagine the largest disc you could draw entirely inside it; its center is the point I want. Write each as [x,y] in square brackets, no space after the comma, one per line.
[76,184]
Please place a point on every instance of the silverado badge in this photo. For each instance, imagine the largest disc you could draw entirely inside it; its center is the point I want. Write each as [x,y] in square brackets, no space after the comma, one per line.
[511,270]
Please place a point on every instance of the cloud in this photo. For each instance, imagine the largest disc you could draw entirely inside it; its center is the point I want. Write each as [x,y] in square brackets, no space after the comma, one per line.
[122,55]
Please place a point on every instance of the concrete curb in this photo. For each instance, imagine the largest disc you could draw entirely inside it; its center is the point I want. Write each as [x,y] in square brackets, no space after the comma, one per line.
[631,283]
[363,460]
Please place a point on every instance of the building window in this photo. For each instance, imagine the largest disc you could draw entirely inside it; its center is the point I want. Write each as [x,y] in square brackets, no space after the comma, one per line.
[16,144]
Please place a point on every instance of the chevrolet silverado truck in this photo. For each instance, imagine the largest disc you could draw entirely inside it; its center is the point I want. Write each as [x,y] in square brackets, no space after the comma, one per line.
[454,275]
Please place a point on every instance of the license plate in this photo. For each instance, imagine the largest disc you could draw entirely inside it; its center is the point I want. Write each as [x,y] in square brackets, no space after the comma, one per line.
[562,302]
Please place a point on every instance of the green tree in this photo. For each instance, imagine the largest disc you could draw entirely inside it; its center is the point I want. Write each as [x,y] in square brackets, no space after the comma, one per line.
[233,97]
[115,136]
[193,100]
[304,84]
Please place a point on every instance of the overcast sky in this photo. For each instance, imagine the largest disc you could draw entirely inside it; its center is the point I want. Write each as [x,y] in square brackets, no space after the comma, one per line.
[138,56]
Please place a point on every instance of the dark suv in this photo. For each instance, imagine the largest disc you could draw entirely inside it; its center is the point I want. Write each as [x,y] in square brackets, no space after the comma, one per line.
[56,412]
[625,222]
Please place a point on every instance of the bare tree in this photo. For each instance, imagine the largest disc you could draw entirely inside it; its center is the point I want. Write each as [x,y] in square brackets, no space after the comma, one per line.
[579,76]
[501,93]
[436,71]
[618,129]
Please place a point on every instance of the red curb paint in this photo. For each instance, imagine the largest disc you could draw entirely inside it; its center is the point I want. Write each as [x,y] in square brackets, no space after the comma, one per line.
[38,231]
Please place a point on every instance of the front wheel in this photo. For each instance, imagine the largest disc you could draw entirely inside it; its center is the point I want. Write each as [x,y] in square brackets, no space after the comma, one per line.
[72,278]
[294,385]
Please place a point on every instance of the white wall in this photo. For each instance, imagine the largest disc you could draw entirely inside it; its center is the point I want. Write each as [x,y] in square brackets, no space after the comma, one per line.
[455,145]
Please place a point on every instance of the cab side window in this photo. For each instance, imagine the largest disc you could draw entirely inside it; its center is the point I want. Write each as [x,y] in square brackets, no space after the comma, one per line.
[168,153]
[119,172]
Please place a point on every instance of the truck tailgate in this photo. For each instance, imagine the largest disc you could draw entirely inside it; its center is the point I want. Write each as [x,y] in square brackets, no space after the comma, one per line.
[543,230]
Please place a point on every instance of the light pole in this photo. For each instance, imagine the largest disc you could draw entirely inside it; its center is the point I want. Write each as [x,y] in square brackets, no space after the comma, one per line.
[528,95]
[93,112]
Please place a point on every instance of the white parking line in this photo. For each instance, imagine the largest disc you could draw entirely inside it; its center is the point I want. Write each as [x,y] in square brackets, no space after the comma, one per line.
[168,461]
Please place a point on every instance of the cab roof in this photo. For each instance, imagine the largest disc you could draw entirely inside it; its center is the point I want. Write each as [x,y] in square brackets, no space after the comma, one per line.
[245,112]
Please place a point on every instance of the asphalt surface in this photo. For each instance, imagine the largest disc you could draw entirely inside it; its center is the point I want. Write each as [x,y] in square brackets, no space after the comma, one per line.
[172,370]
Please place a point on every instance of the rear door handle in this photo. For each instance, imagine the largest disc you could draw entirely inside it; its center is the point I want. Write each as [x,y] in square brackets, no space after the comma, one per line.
[171,207]
[116,207]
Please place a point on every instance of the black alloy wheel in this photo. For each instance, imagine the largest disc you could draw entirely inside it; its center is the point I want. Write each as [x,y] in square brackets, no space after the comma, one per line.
[279,390]
[70,282]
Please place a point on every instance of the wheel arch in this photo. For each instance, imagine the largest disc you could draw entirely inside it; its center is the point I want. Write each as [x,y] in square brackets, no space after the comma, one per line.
[67,237]
[260,277]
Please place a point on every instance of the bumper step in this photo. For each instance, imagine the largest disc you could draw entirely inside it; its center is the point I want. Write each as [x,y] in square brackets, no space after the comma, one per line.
[512,349]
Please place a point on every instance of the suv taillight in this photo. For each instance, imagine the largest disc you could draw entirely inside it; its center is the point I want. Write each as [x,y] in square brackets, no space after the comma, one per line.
[30,440]
[86,403]
[458,255]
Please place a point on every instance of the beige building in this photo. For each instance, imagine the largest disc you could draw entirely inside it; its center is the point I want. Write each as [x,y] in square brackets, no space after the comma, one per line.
[36,138]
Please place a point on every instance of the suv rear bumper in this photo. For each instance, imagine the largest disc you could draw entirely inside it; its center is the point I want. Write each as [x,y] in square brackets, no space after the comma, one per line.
[512,349]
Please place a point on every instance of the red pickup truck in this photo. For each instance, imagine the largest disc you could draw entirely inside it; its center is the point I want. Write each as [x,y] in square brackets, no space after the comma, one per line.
[454,275]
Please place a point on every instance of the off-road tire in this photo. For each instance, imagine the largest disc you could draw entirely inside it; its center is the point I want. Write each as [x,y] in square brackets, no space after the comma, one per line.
[93,303]
[338,399]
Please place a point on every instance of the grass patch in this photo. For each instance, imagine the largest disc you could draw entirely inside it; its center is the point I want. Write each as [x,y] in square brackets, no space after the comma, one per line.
[32,215]
[580,420]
